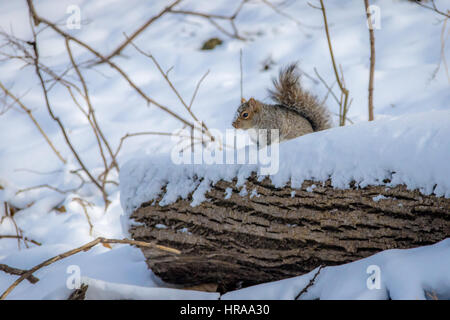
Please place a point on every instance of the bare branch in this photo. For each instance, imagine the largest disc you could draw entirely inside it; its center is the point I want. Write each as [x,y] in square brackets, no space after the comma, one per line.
[36,123]
[91,114]
[196,89]
[344,101]
[51,188]
[83,203]
[25,239]
[37,172]
[280,12]
[211,18]
[442,58]
[17,272]
[434,8]
[119,49]
[54,27]
[241,73]
[173,88]
[372,59]
[59,122]
[327,86]
[9,213]
[311,283]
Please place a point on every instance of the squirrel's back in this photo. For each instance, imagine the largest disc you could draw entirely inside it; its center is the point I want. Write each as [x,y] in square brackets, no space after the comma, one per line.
[289,93]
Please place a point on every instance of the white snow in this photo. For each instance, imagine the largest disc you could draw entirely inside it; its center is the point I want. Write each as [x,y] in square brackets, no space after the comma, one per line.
[254,194]
[379,197]
[102,290]
[228,193]
[411,150]
[242,193]
[411,274]
[410,136]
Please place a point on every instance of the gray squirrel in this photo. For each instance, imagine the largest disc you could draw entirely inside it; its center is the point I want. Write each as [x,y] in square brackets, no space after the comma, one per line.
[296,112]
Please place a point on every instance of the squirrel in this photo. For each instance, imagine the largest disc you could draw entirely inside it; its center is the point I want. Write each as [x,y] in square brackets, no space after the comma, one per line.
[296,112]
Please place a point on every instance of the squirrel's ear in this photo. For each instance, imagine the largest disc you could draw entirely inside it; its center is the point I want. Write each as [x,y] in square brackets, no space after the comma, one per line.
[254,105]
[243,100]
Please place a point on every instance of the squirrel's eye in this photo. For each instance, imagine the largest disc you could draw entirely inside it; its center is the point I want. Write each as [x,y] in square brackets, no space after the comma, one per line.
[244,115]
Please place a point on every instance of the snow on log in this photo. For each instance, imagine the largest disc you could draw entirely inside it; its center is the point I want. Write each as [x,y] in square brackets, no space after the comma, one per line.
[338,196]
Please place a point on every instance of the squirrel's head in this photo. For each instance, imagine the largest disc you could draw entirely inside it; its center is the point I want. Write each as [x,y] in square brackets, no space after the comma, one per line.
[245,114]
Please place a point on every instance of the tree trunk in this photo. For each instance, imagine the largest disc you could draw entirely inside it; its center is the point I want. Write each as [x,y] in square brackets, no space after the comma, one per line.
[276,234]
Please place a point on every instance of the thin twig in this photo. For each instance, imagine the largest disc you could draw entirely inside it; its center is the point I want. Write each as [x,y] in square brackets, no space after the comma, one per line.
[339,79]
[58,121]
[91,114]
[330,47]
[311,282]
[280,12]
[9,213]
[196,89]
[47,186]
[119,49]
[83,203]
[372,59]
[38,19]
[165,76]
[17,272]
[241,73]
[210,17]
[442,58]
[329,88]
[36,123]
[25,239]
[68,85]
[434,8]
[37,172]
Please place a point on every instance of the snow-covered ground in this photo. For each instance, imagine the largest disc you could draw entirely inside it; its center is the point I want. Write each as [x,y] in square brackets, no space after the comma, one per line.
[410,138]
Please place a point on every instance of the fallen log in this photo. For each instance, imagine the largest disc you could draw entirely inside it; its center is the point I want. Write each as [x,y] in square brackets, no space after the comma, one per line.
[235,239]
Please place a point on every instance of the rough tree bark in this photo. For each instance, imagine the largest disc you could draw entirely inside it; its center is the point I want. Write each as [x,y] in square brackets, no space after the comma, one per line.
[244,240]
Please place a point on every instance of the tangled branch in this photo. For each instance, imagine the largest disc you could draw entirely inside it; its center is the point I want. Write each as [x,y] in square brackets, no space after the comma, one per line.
[108,157]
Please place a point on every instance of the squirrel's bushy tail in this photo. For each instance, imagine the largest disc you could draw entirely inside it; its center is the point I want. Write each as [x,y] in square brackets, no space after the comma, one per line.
[289,93]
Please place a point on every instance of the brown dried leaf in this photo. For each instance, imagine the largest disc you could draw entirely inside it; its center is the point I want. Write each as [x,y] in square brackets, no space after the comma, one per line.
[107,245]
[61,209]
